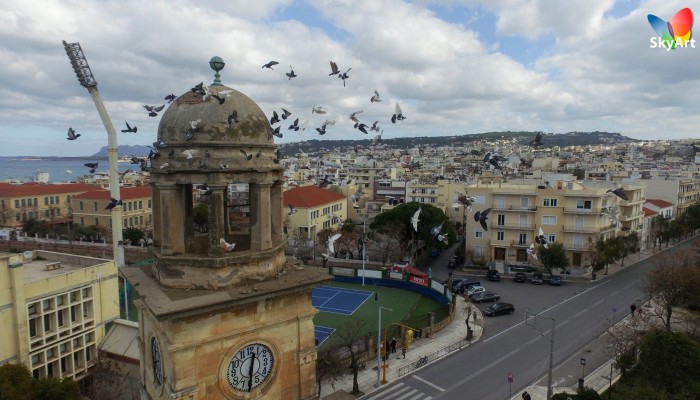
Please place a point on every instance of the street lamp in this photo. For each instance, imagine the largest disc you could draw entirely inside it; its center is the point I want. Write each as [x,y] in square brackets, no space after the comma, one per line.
[379,344]
[87,80]
[364,240]
[528,316]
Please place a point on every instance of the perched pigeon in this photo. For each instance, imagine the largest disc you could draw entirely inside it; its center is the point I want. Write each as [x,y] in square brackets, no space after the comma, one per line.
[72,135]
[165,165]
[129,129]
[291,74]
[276,160]
[226,246]
[224,167]
[204,189]
[398,114]
[202,165]
[481,217]
[541,239]
[334,69]
[188,135]
[292,210]
[113,203]
[194,125]
[92,166]
[619,192]
[270,64]
[188,154]
[247,156]
[531,251]
[375,98]
[414,219]
[198,88]
[233,119]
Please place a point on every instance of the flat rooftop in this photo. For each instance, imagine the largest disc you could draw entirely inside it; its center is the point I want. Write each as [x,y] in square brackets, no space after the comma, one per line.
[40,264]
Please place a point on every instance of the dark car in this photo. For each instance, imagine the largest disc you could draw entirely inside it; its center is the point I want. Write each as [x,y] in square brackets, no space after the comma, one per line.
[485,296]
[464,285]
[520,277]
[537,278]
[555,280]
[493,275]
[499,309]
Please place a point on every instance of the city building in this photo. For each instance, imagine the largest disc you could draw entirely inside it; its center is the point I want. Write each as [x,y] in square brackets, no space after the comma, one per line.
[681,192]
[90,208]
[44,202]
[310,209]
[53,311]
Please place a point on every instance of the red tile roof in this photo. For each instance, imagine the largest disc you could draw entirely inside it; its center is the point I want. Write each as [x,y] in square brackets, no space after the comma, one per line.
[310,196]
[127,193]
[660,203]
[39,189]
[648,212]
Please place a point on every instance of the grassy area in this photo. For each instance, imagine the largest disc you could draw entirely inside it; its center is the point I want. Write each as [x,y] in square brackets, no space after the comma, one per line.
[403,303]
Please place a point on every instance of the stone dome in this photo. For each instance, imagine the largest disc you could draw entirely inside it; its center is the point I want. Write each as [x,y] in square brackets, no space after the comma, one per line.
[253,127]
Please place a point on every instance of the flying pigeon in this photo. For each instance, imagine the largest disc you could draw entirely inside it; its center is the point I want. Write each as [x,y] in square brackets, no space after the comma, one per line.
[318,110]
[275,118]
[285,114]
[198,88]
[321,130]
[375,98]
[362,128]
[541,239]
[612,212]
[465,200]
[233,119]
[537,141]
[619,192]
[68,171]
[443,238]
[436,230]
[291,74]
[295,125]
[72,135]
[531,251]
[494,159]
[377,139]
[414,219]
[218,98]
[170,98]
[331,243]
[481,217]
[353,116]
[92,166]
[344,76]
[276,132]
[270,64]
[153,153]
[292,209]
[129,129]
[122,174]
[204,189]
[159,143]
[113,203]
[334,69]
[247,156]
[375,126]
[226,246]
[398,115]
[135,160]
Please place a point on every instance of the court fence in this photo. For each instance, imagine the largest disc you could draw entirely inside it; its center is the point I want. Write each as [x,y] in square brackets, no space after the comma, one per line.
[425,360]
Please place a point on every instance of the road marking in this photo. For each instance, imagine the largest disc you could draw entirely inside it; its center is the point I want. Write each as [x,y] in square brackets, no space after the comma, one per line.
[384,392]
[409,394]
[598,302]
[395,394]
[428,383]
[479,372]
[578,314]
[614,293]
[533,340]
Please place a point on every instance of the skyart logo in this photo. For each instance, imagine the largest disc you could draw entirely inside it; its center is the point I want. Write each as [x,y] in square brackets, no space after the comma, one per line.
[674,33]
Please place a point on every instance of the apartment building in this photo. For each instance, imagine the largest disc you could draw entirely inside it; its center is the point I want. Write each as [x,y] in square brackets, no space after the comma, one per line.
[681,192]
[89,208]
[53,311]
[315,209]
[45,202]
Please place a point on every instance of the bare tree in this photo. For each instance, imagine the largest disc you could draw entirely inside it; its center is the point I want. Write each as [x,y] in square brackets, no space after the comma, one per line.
[6,215]
[329,366]
[672,283]
[624,340]
[385,247]
[349,335]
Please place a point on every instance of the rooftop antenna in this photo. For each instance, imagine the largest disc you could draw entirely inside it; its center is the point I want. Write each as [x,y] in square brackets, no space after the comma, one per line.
[87,80]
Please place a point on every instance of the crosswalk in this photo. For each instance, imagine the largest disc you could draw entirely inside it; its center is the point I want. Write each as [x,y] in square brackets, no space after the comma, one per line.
[400,391]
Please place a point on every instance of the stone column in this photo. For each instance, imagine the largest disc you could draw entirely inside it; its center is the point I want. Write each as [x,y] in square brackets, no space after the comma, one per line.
[277,212]
[217,224]
[155,215]
[172,216]
[260,227]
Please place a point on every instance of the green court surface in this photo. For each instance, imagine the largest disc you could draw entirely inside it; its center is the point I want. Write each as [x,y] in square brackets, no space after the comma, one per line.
[405,305]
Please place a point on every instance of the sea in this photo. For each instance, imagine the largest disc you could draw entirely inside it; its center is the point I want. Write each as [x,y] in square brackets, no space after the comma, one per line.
[59,169]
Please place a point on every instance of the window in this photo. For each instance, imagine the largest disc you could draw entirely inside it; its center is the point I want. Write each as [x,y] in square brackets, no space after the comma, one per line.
[479,234]
[51,200]
[16,203]
[81,206]
[57,202]
[24,202]
[522,238]
[131,221]
[524,202]
[551,238]
[94,204]
[140,205]
[500,235]
[82,221]
[46,201]
[501,219]
[550,203]
[149,203]
[31,309]
[47,323]
[32,327]
[130,204]
[60,317]
[125,223]
[583,204]
[97,221]
[141,220]
[549,220]
[17,217]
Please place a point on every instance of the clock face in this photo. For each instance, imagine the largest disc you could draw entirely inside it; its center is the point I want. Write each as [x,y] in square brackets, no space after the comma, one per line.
[157,362]
[250,367]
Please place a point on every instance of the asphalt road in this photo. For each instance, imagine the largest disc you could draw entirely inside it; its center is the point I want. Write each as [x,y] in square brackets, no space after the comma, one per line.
[582,311]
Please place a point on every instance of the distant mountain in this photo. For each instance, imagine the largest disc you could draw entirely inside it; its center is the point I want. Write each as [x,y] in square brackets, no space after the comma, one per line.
[136,150]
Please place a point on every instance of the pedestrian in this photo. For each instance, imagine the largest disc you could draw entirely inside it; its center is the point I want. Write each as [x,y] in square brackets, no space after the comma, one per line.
[403,352]
[430,273]
[393,345]
[633,308]
[526,396]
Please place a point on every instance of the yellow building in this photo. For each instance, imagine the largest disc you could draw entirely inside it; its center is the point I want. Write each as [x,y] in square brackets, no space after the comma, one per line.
[316,209]
[44,202]
[53,311]
[89,208]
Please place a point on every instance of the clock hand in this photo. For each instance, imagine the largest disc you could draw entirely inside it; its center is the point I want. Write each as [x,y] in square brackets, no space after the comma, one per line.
[250,372]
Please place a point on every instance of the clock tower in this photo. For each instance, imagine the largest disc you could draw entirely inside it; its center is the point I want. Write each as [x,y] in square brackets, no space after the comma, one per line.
[222,313]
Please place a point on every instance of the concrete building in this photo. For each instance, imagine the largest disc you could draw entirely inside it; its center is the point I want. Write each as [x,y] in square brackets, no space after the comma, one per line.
[89,208]
[681,192]
[53,311]
[44,202]
[316,209]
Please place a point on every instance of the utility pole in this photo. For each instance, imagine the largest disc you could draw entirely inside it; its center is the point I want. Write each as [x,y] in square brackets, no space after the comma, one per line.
[364,239]
[531,319]
[379,345]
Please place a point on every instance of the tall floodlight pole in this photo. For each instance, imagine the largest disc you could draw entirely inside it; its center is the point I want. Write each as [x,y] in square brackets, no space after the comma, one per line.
[379,345]
[364,239]
[87,80]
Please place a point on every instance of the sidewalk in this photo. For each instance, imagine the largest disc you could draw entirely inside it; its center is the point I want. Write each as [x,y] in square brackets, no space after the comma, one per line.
[451,334]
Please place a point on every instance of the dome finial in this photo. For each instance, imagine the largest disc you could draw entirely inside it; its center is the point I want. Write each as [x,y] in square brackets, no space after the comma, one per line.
[217,64]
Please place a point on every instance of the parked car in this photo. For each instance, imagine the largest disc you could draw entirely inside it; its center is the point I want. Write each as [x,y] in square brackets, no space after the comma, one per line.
[537,278]
[493,275]
[485,296]
[475,290]
[520,277]
[555,280]
[499,309]
[464,285]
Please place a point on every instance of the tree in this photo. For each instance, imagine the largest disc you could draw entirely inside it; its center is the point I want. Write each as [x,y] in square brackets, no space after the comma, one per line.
[348,335]
[657,229]
[133,234]
[6,215]
[33,226]
[630,245]
[17,383]
[384,247]
[329,366]
[669,361]
[625,340]
[672,283]
[553,257]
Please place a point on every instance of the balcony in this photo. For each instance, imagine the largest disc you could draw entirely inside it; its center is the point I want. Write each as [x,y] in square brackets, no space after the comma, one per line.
[518,244]
[496,225]
[575,246]
[514,208]
[586,211]
[580,229]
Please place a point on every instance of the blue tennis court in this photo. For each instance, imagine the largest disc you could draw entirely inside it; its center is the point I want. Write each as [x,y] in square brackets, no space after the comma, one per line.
[338,300]
[321,333]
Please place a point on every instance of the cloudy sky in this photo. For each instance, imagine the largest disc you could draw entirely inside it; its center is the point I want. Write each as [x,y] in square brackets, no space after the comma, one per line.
[455,66]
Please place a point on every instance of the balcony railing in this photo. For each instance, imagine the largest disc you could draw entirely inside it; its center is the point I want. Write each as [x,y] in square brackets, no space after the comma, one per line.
[496,225]
[580,229]
[575,246]
[514,208]
[587,211]
[516,243]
